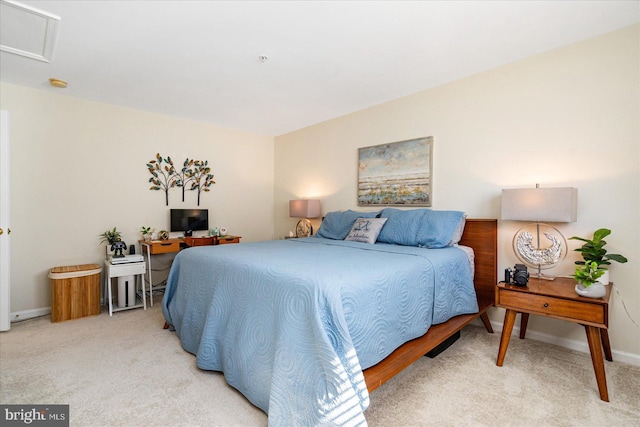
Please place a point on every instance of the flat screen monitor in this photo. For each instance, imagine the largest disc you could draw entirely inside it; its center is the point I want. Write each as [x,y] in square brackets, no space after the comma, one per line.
[189,219]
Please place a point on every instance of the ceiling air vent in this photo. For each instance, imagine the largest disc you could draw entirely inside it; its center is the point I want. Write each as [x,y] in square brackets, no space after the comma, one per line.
[27,31]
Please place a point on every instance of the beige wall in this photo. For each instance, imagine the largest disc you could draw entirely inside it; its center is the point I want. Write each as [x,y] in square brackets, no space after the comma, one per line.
[566,118]
[78,169]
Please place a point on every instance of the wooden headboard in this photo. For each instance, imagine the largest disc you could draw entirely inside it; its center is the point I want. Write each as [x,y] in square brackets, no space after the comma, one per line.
[482,236]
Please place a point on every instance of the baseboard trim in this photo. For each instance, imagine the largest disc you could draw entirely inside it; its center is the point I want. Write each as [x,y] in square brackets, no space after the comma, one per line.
[581,346]
[19,316]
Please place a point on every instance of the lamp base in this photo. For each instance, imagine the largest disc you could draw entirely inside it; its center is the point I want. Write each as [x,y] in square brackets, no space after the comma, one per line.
[303,228]
[530,251]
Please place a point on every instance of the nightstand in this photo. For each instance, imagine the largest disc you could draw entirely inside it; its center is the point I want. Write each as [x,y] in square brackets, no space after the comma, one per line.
[557,299]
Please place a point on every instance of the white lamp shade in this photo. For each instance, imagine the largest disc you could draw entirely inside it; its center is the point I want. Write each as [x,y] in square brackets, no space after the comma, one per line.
[540,204]
[304,208]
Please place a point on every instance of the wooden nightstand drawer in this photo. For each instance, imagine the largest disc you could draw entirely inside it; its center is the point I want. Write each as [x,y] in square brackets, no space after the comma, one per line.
[228,239]
[164,246]
[549,306]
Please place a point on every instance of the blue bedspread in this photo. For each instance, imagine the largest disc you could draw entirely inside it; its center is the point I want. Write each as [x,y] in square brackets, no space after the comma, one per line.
[292,323]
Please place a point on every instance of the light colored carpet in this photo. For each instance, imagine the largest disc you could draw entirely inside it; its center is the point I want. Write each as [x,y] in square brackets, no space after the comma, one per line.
[127,371]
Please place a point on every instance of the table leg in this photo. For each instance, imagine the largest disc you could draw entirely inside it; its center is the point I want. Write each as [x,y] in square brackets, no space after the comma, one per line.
[507,328]
[148,247]
[108,284]
[486,322]
[524,321]
[604,334]
[144,293]
[595,346]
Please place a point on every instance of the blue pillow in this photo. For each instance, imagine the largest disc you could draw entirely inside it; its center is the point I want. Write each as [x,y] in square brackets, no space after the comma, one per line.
[402,226]
[336,225]
[438,228]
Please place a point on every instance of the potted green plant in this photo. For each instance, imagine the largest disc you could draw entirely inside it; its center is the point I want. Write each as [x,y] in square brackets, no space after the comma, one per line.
[147,233]
[110,236]
[587,275]
[593,250]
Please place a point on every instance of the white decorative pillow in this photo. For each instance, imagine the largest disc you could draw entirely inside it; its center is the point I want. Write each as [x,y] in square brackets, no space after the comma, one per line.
[366,230]
[457,234]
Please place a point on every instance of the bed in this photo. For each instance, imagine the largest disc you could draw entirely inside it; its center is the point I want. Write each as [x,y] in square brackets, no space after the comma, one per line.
[306,328]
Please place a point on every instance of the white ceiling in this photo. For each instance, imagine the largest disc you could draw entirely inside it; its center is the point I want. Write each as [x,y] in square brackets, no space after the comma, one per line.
[199,59]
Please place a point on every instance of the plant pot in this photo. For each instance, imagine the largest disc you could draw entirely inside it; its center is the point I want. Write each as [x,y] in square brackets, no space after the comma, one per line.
[604,279]
[596,290]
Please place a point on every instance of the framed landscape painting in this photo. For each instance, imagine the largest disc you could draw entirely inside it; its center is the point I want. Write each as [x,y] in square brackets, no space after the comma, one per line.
[397,173]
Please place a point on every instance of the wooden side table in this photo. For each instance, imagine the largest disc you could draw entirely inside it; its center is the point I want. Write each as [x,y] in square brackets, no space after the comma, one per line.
[557,299]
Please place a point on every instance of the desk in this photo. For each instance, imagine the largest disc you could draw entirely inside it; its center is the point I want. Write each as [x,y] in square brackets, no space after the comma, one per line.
[118,270]
[558,299]
[156,247]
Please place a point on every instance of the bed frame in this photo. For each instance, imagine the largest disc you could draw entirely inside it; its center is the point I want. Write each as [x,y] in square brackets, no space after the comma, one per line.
[482,236]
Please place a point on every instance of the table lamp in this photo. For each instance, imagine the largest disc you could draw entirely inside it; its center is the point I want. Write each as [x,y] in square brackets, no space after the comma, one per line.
[304,209]
[540,205]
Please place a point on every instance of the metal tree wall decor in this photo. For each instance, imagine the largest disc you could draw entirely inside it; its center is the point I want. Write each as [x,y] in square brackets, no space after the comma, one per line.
[195,175]
[202,177]
[185,176]
[164,178]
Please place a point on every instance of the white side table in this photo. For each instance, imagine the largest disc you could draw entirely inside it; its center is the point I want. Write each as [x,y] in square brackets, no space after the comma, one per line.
[136,269]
